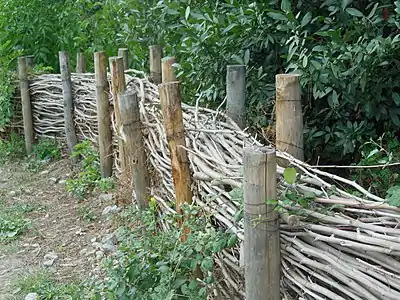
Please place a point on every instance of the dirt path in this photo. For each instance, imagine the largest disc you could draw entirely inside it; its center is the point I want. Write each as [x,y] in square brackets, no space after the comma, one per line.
[61,227]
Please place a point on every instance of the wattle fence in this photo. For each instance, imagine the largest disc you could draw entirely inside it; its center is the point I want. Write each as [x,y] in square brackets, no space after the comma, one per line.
[337,246]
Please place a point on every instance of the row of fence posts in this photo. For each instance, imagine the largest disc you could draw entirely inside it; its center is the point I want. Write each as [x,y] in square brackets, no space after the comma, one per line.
[261,224]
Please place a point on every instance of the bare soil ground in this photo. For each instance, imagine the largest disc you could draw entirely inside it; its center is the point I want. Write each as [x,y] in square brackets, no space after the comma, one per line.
[59,223]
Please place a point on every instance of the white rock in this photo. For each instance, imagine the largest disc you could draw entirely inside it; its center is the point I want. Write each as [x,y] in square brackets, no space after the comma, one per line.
[12,193]
[62,181]
[32,296]
[49,259]
[45,172]
[111,210]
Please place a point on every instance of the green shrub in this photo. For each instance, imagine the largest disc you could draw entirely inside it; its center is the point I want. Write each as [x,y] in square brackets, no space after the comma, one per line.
[88,174]
[12,149]
[44,151]
[383,153]
[156,264]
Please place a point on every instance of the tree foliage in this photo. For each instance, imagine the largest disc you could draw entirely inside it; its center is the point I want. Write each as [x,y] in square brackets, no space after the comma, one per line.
[345,50]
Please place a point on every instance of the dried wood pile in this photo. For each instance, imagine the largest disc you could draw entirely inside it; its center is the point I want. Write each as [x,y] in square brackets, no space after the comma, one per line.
[341,246]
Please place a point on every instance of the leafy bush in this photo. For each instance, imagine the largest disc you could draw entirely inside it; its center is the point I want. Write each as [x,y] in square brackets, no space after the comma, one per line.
[44,151]
[88,175]
[153,264]
[383,176]
[13,148]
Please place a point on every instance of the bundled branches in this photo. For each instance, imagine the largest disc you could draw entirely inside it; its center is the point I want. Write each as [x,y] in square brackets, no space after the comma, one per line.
[335,246]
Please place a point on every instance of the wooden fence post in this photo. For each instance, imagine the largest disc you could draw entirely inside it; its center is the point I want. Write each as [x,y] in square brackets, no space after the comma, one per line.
[134,146]
[68,101]
[26,105]
[289,115]
[103,114]
[168,73]
[80,63]
[30,61]
[261,228]
[118,85]
[235,91]
[170,96]
[156,53]
[124,53]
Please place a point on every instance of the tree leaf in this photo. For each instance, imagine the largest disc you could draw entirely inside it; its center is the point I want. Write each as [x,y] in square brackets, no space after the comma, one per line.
[354,12]
[238,59]
[187,12]
[396,39]
[246,57]
[306,19]
[286,6]
[290,175]
[277,16]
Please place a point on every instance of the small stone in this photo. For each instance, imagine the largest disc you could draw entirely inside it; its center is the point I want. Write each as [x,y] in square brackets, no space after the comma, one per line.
[111,210]
[62,181]
[106,197]
[12,193]
[49,259]
[110,238]
[108,248]
[93,240]
[53,180]
[99,255]
[96,271]
[32,296]
[45,172]
[96,245]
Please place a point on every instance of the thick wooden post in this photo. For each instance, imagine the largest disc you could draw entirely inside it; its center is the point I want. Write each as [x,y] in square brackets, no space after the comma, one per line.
[170,96]
[156,53]
[118,85]
[235,91]
[68,101]
[289,115]
[134,146]
[103,114]
[168,73]
[261,228]
[80,63]
[30,61]
[26,105]
[124,53]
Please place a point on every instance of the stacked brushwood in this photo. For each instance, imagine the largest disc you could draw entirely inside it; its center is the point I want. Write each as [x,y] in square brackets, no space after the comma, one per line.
[341,243]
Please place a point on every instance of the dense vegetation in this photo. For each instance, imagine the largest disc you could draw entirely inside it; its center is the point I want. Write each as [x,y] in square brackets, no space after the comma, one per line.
[346,50]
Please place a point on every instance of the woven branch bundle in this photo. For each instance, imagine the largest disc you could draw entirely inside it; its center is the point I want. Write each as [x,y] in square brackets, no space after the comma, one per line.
[341,247]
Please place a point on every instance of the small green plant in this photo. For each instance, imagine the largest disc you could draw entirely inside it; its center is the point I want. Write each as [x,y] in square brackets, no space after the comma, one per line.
[88,174]
[44,284]
[12,149]
[86,213]
[45,151]
[156,264]
[12,222]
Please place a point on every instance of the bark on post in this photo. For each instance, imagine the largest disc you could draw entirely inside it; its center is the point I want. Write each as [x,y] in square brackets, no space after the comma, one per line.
[156,53]
[261,228]
[168,73]
[68,101]
[235,91]
[134,146]
[30,61]
[26,105]
[289,115]
[170,96]
[124,53]
[118,85]
[80,63]
[103,115]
